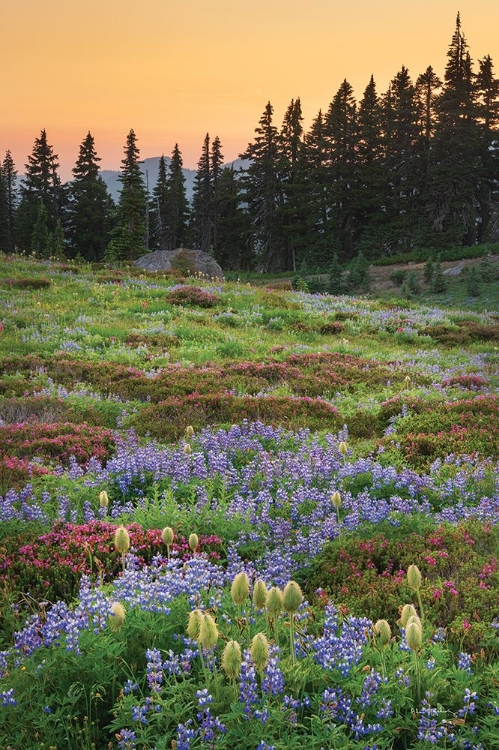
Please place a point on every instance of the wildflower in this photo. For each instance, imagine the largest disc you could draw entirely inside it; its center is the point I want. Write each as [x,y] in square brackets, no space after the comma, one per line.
[292,597]
[343,448]
[336,499]
[408,610]
[260,594]
[194,624]
[260,651]
[231,659]
[187,449]
[167,536]
[193,542]
[274,602]
[240,588]
[189,431]
[414,577]
[103,499]
[117,616]
[414,633]
[383,631]
[122,540]
[208,632]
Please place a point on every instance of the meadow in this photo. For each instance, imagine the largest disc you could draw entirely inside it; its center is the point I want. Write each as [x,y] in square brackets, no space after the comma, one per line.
[237,516]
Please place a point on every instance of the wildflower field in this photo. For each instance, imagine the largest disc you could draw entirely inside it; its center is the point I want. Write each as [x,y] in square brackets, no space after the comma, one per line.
[244,517]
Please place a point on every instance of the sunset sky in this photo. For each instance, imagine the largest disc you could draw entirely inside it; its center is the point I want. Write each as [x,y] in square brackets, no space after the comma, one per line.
[174,70]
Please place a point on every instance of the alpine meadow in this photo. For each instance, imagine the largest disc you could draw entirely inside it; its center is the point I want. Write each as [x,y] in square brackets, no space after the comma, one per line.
[257,508]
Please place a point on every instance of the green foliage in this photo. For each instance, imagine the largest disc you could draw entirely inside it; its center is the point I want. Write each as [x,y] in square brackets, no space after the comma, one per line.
[365,573]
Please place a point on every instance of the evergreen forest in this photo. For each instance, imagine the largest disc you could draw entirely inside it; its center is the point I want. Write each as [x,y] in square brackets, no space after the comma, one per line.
[414,168]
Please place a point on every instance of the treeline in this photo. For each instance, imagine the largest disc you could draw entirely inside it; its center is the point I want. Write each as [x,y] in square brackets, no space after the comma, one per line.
[414,167]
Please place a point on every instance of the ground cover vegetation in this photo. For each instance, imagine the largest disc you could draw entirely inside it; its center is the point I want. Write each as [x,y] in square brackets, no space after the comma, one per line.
[407,172]
[243,516]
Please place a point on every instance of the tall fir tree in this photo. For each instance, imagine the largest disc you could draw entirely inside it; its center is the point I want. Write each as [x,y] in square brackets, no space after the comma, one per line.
[9,176]
[4,215]
[292,172]
[454,168]
[342,135]
[128,238]
[89,212]
[403,162]
[264,194]
[216,168]
[177,205]
[233,248]
[487,91]
[158,226]
[41,182]
[314,168]
[201,226]
[371,183]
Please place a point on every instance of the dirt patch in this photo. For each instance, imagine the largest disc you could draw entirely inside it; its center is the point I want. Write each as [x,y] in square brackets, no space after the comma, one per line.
[380,280]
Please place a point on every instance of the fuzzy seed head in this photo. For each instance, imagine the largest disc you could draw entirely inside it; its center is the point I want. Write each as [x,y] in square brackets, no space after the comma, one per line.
[260,594]
[122,540]
[193,542]
[187,449]
[274,601]
[408,610]
[194,624]
[231,659]
[103,499]
[189,431]
[240,588]
[414,633]
[167,535]
[292,597]
[383,631]
[343,448]
[208,632]
[414,577]
[260,651]
[117,616]
[336,499]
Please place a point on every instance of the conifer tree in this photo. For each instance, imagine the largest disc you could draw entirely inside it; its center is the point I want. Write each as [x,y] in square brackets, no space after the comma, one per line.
[128,238]
[158,227]
[216,166]
[291,169]
[454,168]
[9,177]
[4,215]
[233,248]
[487,91]
[41,182]
[201,224]
[177,205]
[371,182]
[314,174]
[89,210]
[336,284]
[40,235]
[264,194]
[342,135]
[403,162]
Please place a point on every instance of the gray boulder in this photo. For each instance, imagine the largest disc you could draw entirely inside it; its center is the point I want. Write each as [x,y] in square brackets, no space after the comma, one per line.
[190,262]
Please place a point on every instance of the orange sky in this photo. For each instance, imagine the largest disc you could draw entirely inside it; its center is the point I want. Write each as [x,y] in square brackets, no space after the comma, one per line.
[174,70]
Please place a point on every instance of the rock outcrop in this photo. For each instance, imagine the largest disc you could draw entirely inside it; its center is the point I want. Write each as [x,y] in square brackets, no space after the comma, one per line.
[190,262]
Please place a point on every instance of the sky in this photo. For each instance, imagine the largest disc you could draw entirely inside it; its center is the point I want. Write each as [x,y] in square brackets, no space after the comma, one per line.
[174,70]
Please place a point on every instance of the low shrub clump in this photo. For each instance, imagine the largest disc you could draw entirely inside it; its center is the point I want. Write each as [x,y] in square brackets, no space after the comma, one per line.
[463,427]
[458,564]
[192,295]
[58,441]
[167,419]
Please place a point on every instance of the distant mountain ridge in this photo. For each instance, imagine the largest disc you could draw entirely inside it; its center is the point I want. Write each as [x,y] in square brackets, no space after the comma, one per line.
[150,170]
